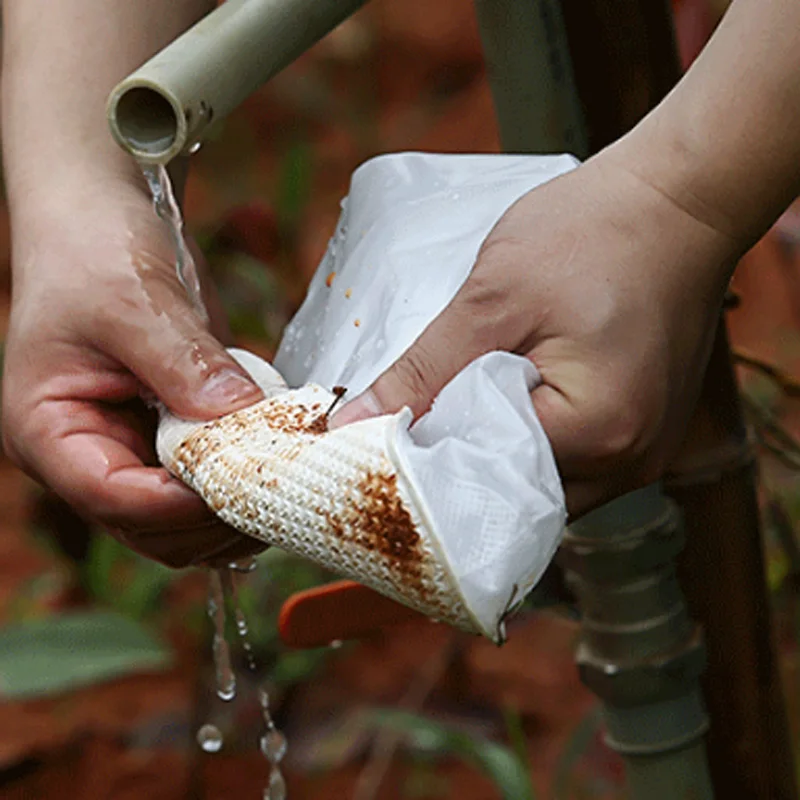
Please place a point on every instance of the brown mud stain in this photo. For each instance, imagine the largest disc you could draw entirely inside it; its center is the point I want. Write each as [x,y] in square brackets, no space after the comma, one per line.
[378,521]
[207,441]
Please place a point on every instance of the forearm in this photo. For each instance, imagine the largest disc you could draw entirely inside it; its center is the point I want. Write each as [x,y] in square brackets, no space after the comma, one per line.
[60,61]
[725,144]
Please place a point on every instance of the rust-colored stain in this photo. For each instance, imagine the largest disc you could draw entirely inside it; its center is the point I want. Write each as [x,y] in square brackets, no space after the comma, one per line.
[357,323]
[292,419]
[318,425]
[208,440]
[198,447]
[348,293]
[329,279]
[366,523]
[377,520]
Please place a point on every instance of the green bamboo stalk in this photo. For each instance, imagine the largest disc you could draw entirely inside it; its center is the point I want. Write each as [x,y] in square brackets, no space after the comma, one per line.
[162,109]
[640,652]
[530,71]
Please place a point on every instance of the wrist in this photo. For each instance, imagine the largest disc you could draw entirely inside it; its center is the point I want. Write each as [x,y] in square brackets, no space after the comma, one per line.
[38,186]
[724,142]
[684,236]
[675,169]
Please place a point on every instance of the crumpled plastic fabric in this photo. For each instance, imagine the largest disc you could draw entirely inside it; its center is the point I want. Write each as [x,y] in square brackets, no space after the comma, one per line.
[480,469]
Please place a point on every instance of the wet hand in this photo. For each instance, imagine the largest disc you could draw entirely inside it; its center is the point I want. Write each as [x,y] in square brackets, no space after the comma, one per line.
[99,318]
[613,291]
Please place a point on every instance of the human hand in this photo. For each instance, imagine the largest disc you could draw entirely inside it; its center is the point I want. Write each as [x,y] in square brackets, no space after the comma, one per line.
[98,317]
[613,291]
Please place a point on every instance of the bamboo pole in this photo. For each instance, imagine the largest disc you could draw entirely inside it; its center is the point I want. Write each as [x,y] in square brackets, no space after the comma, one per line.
[639,651]
[162,109]
[722,574]
[530,71]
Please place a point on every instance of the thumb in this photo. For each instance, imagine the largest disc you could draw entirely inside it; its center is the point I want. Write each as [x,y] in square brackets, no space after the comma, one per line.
[177,358]
[453,340]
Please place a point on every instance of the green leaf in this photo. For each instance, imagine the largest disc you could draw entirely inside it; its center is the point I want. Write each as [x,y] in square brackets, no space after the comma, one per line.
[494,760]
[125,581]
[579,743]
[294,184]
[63,652]
[516,736]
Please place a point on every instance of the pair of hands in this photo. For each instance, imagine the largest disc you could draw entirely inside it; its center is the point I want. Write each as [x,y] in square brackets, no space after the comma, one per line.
[600,278]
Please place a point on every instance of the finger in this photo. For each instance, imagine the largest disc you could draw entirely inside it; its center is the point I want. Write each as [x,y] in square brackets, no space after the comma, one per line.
[113,486]
[212,544]
[154,513]
[167,345]
[472,325]
[94,465]
[235,549]
[595,445]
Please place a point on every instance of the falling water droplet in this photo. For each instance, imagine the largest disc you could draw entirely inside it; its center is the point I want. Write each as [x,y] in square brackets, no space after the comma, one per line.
[277,786]
[194,147]
[222,585]
[335,644]
[225,676]
[244,565]
[209,738]
[241,623]
[273,745]
[169,212]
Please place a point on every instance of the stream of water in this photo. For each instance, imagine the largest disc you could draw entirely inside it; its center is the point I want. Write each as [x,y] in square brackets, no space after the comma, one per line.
[222,592]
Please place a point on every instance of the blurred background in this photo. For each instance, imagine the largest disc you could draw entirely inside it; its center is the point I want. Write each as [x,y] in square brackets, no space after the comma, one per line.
[105,670]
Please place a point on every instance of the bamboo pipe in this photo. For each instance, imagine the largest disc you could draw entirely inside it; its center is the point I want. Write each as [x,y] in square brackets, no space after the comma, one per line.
[530,70]
[721,569]
[722,572]
[639,651]
[162,109]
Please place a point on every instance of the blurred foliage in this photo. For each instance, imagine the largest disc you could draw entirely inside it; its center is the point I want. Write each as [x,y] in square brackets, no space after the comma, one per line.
[507,766]
[294,185]
[502,764]
[135,587]
[122,580]
[65,651]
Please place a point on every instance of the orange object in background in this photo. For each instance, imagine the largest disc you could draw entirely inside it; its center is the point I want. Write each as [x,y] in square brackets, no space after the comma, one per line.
[335,611]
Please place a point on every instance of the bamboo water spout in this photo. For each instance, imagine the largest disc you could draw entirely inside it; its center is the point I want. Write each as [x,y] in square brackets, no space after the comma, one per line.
[162,109]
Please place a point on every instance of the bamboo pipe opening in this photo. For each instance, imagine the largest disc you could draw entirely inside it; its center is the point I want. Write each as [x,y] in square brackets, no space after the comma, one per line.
[146,123]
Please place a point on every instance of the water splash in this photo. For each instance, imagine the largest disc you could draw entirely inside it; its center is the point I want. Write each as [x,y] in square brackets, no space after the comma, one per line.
[276,789]
[273,744]
[222,582]
[168,210]
[223,668]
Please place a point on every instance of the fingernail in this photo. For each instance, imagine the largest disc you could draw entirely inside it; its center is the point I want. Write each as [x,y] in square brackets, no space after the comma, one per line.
[226,388]
[364,406]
